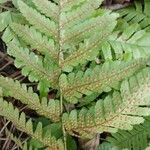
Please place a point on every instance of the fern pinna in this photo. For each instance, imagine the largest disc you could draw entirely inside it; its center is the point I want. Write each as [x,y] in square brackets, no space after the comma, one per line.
[98,68]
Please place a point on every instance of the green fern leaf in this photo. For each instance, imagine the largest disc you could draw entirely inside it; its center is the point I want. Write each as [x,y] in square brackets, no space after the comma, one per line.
[137,138]
[39,21]
[80,13]
[8,35]
[75,36]
[49,109]
[5,19]
[48,8]
[131,44]
[25,147]
[19,120]
[32,65]
[105,146]
[68,5]
[99,23]
[137,14]
[36,40]
[121,111]
[103,25]
[97,80]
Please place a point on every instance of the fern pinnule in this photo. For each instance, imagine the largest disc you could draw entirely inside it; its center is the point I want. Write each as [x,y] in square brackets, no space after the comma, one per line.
[98,79]
[122,110]
[130,139]
[19,120]
[49,109]
[36,40]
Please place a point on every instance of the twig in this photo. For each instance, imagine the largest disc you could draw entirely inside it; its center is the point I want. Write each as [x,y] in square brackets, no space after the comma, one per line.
[7,64]
[7,8]
[4,127]
[5,56]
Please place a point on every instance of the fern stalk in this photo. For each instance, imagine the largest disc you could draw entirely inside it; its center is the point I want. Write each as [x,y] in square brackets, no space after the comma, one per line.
[60,59]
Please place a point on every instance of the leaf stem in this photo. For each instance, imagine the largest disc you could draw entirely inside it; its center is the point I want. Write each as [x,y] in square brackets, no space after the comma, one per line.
[63,129]
[61,96]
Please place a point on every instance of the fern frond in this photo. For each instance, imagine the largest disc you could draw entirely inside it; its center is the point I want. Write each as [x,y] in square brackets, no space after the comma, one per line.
[25,147]
[81,31]
[100,78]
[48,8]
[19,120]
[8,35]
[132,43]
[32,65]
[68,5]
[49,109]
[137,14]
[79,14]
[40,22]
[121,111]
[5,19]
[100,27]
[100,23]
[105,146]
[35,39]
[137,138]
